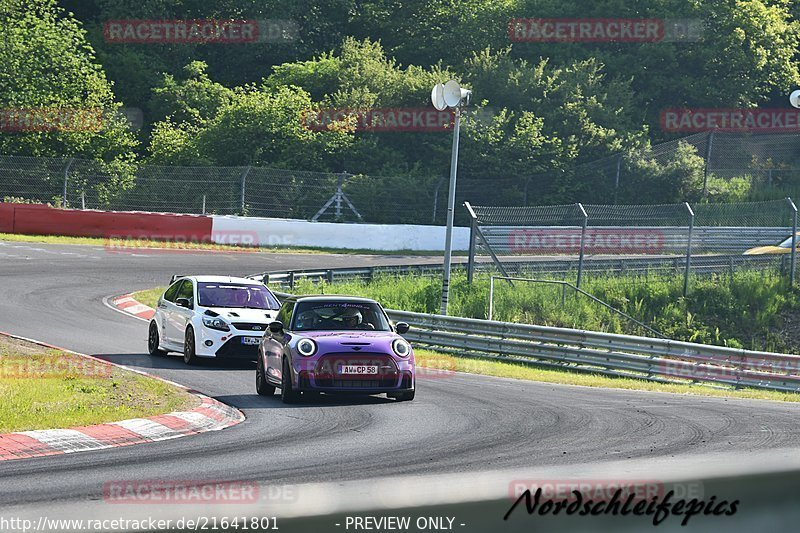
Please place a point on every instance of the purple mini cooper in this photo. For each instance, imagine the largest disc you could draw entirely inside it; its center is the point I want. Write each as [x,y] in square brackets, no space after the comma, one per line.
[334,344]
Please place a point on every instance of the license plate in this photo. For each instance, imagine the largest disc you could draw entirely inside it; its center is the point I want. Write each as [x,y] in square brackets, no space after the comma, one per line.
[359,369]
[251,340]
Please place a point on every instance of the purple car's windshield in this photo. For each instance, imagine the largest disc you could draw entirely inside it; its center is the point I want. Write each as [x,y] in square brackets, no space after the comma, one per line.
[237,295]
[333,316]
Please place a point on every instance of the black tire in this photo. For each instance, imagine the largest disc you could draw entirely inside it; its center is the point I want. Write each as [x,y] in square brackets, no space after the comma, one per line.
[288,394]
[189,355]
[406,396]
[262,385]
[153,341]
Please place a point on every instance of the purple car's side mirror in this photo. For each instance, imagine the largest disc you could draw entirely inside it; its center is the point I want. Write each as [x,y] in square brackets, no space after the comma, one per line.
[401,328]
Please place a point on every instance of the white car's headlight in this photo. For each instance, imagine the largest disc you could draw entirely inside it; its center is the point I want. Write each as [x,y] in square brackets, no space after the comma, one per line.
[215,322]
[401,347]
[306,347]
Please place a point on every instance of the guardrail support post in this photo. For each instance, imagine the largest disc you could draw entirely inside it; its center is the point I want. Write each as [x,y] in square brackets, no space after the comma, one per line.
[291,280]
[583,243]
[794,242]
[688,250]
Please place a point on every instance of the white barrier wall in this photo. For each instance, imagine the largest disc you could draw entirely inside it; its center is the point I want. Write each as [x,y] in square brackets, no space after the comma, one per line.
[288,232]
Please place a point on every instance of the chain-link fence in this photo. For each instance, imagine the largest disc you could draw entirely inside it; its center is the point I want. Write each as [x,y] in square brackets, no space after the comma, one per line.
[725,166]
[715,165]
[575,241]
[253,191]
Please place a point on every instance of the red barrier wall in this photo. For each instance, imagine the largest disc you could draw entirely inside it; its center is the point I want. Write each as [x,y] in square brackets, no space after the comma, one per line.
[32,219]
[6,218]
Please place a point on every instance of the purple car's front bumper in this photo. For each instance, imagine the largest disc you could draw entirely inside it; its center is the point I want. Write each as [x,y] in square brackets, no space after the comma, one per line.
[323,373]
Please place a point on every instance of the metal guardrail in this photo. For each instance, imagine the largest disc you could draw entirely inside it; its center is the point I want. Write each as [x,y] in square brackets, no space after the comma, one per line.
[662,360]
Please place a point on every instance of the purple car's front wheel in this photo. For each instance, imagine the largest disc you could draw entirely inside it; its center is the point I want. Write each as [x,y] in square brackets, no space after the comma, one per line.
[288,394]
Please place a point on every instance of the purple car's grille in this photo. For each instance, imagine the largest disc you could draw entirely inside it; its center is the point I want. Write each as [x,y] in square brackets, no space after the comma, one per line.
[328,371]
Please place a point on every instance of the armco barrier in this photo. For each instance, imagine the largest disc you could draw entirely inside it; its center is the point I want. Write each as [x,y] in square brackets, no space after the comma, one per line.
[35,219]
[647,358]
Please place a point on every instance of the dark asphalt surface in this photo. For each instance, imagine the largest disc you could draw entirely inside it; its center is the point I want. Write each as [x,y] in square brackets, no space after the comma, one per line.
[460,423]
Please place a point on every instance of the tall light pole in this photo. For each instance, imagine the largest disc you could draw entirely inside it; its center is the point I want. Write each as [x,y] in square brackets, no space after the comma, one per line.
[451,95]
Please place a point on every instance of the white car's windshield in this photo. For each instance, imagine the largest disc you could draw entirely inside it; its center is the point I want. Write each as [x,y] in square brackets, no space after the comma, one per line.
[315,316]
[788,242]
[235,295]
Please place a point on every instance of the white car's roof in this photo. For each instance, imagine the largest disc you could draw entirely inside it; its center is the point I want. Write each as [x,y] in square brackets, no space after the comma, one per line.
[224,279]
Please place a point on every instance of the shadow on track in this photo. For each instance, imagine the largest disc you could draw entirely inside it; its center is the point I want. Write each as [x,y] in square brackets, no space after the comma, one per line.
[174,362]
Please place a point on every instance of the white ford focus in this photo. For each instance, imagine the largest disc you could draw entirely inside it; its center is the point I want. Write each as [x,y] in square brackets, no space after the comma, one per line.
[212,317]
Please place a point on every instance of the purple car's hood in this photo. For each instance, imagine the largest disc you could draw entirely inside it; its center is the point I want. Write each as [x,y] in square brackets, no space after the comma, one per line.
[333,340]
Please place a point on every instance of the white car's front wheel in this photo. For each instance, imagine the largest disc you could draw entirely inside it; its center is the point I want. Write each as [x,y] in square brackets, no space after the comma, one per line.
[189,354]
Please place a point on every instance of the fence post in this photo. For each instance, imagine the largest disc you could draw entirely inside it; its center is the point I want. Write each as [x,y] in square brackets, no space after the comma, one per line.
[583,243]
[688,250]
[66,175]
[616,178]
[709,145]
[472,236]
[244,188]
[794,241]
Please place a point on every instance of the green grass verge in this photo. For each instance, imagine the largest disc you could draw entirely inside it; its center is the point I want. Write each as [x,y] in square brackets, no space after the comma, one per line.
[432,361]
[122,244]
[149,296]
[48,389]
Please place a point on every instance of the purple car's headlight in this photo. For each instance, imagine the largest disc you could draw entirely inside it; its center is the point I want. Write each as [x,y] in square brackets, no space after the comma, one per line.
[401,348]
[306,347]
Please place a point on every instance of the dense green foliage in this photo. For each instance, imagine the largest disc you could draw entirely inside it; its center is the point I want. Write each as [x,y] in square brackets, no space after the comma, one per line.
[746,310]
[539,109]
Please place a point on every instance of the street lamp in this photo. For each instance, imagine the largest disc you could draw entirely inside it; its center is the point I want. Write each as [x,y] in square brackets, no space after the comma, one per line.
[451,95]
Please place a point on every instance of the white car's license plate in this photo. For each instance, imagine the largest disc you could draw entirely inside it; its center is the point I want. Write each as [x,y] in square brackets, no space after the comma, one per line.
[251,340]
[359,369]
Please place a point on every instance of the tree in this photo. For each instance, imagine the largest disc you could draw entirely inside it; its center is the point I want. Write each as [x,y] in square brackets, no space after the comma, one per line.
[46,64]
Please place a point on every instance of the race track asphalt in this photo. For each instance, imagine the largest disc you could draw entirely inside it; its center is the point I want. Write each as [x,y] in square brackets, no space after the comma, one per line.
[460,423]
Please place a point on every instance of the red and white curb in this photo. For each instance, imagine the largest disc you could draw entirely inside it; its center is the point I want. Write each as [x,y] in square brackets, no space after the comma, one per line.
[128,305]
[210,415]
